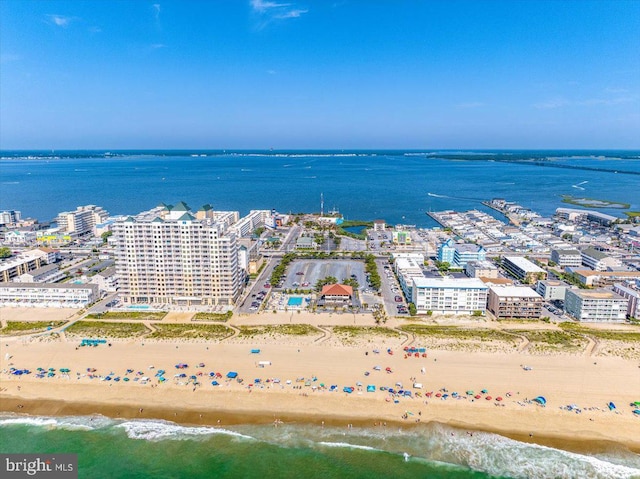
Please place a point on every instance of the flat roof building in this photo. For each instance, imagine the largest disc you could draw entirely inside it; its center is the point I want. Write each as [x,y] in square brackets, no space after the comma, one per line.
[449,295]
[523,269]
[552,290]
[632,295]
[566,257]
[35,295]
[598,305]
[481,269]
[168,256]
[514,302]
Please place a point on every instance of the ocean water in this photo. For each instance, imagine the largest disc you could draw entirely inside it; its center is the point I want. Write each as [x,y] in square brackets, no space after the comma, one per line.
[399,187]
[112,449]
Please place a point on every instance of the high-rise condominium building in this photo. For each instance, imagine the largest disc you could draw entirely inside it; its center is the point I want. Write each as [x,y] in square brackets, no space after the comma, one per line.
[169,255]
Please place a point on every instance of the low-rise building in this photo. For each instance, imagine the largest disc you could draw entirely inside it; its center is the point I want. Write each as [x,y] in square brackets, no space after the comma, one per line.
[566,257]
[552,290]
[47,295]
[481,269]
[379,225]
[306,242]
[449,295]
[107,280]
[523,269]
[49,273]
[11,268]
[599,279]
[401,237]
[514,302]
[599,260]
[336,294]
[600,305]
[19,238]
[632,294]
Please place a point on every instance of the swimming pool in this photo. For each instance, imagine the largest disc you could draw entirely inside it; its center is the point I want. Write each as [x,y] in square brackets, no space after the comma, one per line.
[294,301]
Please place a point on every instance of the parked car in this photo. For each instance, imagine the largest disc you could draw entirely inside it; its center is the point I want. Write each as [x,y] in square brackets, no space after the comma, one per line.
[398,299]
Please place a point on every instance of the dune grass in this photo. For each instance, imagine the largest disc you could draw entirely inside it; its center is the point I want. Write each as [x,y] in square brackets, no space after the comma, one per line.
[191,331]
[27,327]
[107,330]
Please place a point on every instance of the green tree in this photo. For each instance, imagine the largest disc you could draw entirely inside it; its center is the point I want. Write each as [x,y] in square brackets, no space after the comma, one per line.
[105,236]
[412,309]
[5,252]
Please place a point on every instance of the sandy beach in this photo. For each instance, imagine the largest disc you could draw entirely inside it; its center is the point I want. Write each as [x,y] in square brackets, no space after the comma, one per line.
[296,384]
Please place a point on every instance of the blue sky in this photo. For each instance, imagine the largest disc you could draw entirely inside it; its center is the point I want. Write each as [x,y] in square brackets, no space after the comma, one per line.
[319,74]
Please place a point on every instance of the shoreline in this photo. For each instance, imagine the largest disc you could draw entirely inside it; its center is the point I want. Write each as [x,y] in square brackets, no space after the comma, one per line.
[209,418]
[580,442]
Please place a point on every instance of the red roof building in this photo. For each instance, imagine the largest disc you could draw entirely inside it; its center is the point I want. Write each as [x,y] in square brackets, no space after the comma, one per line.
[337,293]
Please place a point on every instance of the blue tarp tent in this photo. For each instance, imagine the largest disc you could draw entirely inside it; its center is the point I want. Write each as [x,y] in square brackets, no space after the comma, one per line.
[255,351]
[371,388]
[232,374]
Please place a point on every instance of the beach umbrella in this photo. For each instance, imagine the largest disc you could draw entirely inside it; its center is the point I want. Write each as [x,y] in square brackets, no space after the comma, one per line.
[40,369]
[477,396]
[470,393]
[541,400]
[212,374]
[611,406]
[125,379]
[214,383]
[499,398]
[65,370]
[201,365]
[488,398]
[635,403]
[636,412]
[484,391]
[438,395]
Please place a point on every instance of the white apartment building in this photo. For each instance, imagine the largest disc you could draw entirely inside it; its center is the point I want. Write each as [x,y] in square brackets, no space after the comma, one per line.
[168,256]
[599,305]
[83,220]
[11,268]
[552,290]
[566,257]
[47,295]
[630,293]
[449,295]
[49,273]
[408,266]
[523,269]
[10,217]
[246,225]
[599,260]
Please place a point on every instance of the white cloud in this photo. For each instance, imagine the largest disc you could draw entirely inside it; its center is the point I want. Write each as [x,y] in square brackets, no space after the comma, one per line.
[269,10]
[291,14]
[271,72]
[157,46]
[59,20]
[156,10]
[263,6]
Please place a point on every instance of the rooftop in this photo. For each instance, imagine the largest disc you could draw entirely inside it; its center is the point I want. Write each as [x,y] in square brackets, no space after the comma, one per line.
[514,291]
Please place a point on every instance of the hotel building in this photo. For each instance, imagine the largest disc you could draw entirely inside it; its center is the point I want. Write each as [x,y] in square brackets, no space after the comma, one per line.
[48,295]
[169,256]
[552,290]
[596,305]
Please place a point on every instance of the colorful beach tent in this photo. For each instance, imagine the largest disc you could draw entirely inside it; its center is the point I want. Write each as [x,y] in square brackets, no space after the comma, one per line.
[541,400]
[371,388]
[232,374]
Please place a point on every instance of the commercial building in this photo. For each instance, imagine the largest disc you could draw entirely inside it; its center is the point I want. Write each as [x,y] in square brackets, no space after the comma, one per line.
[47,295]
[552,290]
[523,269]
[599,260]
[481,269]
[168,256]
[379,225]
[19,238]
[82,221]
[336,294]
[448,295]
[514,302]
[632,294]
[566,257]
[599,305]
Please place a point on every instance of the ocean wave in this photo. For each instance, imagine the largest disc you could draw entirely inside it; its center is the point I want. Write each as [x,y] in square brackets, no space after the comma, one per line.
[502,456]
[69,423]
[164,430]
[349,446]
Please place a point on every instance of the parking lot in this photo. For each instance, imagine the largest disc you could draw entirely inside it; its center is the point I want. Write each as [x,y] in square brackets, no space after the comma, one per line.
[305,273]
